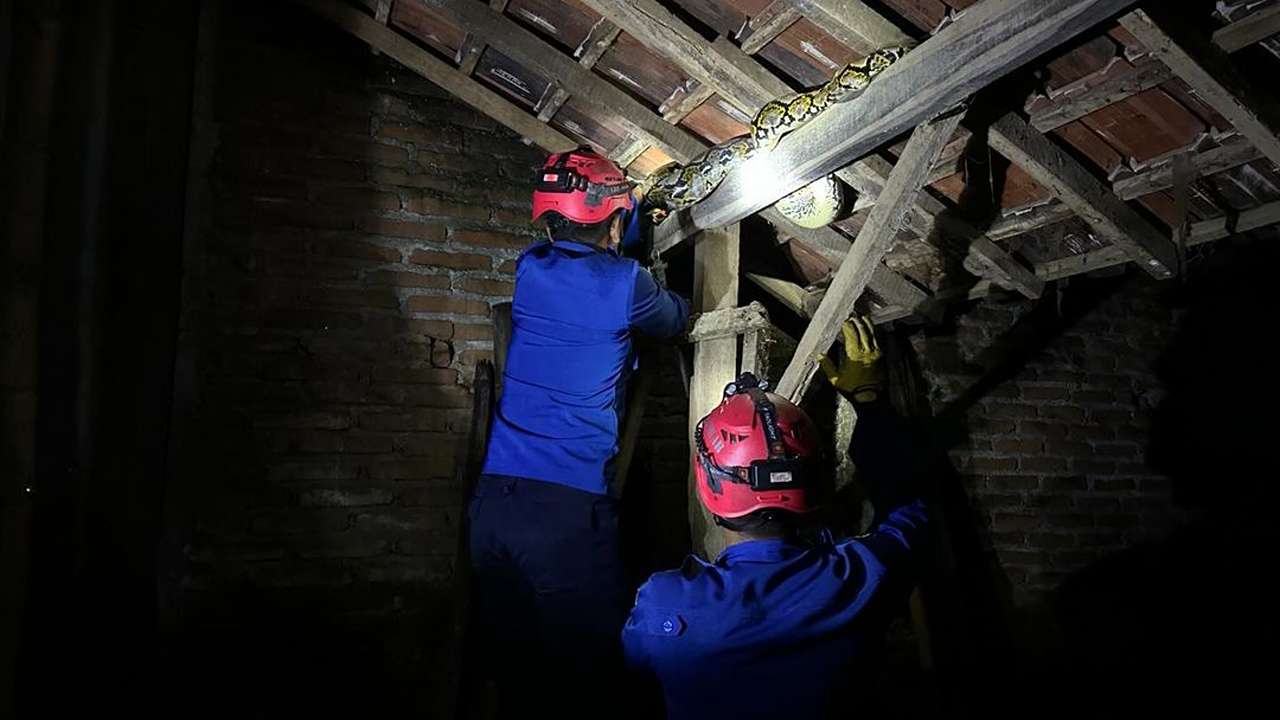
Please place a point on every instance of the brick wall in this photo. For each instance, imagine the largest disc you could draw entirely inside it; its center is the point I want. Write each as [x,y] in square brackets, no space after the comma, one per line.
[1046,410]
[357,227]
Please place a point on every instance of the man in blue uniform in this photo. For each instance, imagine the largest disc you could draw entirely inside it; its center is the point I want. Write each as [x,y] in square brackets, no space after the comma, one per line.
[777,626]
[544,530]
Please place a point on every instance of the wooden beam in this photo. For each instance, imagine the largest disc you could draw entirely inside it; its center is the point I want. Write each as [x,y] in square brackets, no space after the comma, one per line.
[627,152]
[928,218]
[529,50]
[1209,73]
[1233,153]
[684,101]
[834,246]
[987,42]
[441,73]
[555,100]
[1249,30]
[1202,232]
[1022,223]
[715,287]
[768,24]
[661,31]
[854,24]
[597,43]
[1073,184]
[801,301]
[739,79]
[873,242]
[1219,228]
[1071,107]
[727,322]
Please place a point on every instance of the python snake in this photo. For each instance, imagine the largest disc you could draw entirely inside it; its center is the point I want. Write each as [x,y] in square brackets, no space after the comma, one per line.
[675,186]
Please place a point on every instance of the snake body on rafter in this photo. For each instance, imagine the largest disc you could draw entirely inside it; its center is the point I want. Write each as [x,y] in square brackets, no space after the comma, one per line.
[676,187]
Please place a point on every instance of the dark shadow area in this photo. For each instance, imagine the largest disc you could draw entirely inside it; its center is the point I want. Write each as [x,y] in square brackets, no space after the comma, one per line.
[1183,625]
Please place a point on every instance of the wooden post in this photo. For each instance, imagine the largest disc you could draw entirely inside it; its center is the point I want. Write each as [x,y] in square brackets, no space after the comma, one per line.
[715,361]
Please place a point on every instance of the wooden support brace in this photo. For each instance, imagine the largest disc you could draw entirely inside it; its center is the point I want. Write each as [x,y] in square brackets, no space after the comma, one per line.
[768,24]
[425,64]
[1075,186]
[873,242]
[714,360]
[1209,72]
[853,23]
[1249,30]
[987,42]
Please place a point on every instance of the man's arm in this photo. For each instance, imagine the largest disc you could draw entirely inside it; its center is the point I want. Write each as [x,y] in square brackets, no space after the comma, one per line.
[889,467]
[657,312]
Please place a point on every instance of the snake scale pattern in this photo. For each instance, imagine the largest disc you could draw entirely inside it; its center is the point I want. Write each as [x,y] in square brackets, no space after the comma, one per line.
[676,187]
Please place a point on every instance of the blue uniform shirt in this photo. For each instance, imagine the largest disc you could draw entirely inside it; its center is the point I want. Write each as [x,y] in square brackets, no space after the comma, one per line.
[564,388]
[773,628]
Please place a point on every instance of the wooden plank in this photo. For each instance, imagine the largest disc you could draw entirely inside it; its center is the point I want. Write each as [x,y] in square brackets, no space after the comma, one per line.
[854,24]
[1233,153]
[627,152]
[928,218]
[727,322]
[1219,228]
[682,102]
[1249,30]
[1034,219]
[801,301]
[529,50]
[425,64]
[597,43]
[1208,71]
[868,250]
[469,54]
[1201,232]
[556,100]
[662,32]
[834,247]
[715,287]
[987,42]
[1072,107]
[1076,187]
[768,24]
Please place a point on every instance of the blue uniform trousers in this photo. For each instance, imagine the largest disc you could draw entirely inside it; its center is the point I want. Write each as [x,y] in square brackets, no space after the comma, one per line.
[551,595]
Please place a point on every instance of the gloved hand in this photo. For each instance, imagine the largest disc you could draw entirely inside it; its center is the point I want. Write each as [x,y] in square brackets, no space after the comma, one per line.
[860,373]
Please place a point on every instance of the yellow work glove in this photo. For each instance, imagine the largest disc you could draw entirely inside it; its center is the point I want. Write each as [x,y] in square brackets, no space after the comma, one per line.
[860,373]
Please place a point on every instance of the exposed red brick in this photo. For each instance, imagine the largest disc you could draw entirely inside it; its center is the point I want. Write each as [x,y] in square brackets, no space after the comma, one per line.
[447,304]
[358,198]
[438,137]
[400,228]
[427,205]
[452,260]
[474,332]
[407,279]
[485,286]
[491,239]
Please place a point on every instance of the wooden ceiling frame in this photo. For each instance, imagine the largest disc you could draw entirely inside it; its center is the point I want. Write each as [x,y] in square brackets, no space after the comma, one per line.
[747,79]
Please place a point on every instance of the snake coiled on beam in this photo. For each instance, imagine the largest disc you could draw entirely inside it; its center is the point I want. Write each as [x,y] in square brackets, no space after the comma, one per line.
[675,186]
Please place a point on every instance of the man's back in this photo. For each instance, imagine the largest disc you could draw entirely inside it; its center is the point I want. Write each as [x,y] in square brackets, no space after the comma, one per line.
[564,386]
[773,628]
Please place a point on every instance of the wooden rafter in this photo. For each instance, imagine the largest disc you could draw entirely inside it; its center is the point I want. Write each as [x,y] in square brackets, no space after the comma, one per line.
[1209,73]
[768,24]
[1076,187]
[746,84]
[473,93]
[1249,30]
[873,242]
[597,43]
[1233,153]
[472,46]
[990,40]
[853,23]
[1115,87]
[1202,232]
[529,50]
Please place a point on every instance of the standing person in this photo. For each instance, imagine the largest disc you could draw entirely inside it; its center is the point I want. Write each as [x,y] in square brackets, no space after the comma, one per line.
[551,590]
[778,626]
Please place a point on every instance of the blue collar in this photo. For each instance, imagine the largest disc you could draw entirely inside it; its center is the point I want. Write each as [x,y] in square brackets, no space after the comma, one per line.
[573,245]
[771,550]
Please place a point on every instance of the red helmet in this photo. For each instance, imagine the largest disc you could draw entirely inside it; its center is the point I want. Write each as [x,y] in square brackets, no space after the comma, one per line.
[582,186]
[755,451]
